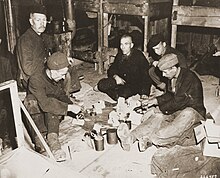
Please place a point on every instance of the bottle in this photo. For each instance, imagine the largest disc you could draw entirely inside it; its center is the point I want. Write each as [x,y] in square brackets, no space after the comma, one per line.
[217,91]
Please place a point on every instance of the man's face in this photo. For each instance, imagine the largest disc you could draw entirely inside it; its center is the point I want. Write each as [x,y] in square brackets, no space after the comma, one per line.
[58,75]
[170,73]
[38,22]
[126,45]
[160,48]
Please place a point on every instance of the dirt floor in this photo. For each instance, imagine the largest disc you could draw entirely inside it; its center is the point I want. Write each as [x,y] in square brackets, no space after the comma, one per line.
[113,161]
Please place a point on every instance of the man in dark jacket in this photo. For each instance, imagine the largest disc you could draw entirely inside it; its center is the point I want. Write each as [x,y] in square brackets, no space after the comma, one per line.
[48,102]
[159,46]
[179,110]
[31,49]
[128,75]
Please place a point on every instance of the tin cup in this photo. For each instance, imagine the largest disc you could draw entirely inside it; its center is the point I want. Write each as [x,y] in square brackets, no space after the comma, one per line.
[99,143]
[112,136]
[128,122]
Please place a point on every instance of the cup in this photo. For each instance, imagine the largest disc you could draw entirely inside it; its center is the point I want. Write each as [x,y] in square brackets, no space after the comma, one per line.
[99,143]
[128,122]
[112,136]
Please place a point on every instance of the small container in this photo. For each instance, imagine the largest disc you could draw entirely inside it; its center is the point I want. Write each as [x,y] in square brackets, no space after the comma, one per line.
[99,143]
[112,136]
[217,91]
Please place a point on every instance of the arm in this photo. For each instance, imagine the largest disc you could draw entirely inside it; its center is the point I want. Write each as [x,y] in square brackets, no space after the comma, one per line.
[46,103]
[31,55]
[170,103]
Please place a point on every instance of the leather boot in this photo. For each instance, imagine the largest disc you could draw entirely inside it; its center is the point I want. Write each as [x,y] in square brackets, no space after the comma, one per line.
[55,146]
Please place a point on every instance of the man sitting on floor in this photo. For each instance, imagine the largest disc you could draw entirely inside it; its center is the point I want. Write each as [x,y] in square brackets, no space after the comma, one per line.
[176,113]
[128,75]
[47,101]
[160,47]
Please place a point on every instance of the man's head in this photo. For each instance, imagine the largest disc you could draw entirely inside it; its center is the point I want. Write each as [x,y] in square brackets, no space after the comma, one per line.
[158,44]
[38,19]
[168,64]
[126,44]
[58,65]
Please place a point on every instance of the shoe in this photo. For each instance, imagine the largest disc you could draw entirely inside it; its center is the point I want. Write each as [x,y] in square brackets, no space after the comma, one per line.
[144,144]
[39,146]
[125,137]
[95,88]
[55,146]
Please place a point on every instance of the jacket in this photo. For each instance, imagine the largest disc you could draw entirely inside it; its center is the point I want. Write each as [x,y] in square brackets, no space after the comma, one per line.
[31,53]
[50,95]
[188,93]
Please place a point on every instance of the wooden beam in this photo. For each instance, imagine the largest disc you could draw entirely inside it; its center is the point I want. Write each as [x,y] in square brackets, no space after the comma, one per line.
[196,16]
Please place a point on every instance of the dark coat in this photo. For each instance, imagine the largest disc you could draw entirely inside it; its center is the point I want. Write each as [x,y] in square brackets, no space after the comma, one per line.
[31,52]
[133,69]
[50,95]
[188,93]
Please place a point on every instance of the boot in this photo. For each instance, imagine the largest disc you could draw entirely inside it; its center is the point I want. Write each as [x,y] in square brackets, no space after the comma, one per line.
[144,144]
[39,146]
[55,146]
[125,137]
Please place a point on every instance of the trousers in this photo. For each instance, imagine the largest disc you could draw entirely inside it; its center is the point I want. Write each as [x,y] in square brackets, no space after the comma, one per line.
[169,130]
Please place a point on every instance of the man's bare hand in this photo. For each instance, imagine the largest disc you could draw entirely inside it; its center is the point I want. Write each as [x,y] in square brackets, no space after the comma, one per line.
[74,108]
[119,80]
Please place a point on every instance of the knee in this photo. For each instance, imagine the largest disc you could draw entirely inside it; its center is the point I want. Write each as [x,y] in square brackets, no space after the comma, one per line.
[105,84]
[151,71]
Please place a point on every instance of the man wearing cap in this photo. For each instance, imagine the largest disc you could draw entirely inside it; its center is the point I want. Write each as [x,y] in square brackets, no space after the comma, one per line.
[176,112]
[157,45]
[31,49]
[46,87]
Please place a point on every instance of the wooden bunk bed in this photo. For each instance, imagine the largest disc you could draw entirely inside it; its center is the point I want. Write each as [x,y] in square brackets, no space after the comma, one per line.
[198,16]
[155,14]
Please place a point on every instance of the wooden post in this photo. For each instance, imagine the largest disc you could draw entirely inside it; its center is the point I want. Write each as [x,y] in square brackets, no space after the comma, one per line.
[100,38]
[146,32]
[10,25]
[174,28]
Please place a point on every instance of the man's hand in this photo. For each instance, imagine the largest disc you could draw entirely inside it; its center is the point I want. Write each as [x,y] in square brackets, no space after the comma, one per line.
[217,53]
[149,102]
[155,63]
[119,80]
[74,108]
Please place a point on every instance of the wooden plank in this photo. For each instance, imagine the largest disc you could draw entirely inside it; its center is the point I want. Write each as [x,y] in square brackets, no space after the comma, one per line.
[152,10]
[33,125]
[196,16]
[87,6]
[137,1]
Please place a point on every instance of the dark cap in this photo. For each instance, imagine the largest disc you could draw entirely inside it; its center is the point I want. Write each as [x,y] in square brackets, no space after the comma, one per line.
[155,40]
[57,61]
[38,8]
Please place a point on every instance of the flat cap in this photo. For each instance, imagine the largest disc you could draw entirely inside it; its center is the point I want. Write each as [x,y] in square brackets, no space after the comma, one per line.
[155,40]
[38,8]
[57,61]
[167,61]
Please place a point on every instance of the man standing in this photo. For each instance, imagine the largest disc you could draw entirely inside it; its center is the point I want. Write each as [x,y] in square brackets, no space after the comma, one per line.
[51,101]
[128,74]
[31,50]
[158,44]
[179,110]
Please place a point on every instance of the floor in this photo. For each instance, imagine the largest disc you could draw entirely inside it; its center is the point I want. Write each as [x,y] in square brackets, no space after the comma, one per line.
[113,161]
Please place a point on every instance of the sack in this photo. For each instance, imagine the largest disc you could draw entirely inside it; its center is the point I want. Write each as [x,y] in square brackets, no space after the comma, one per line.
[184,162]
